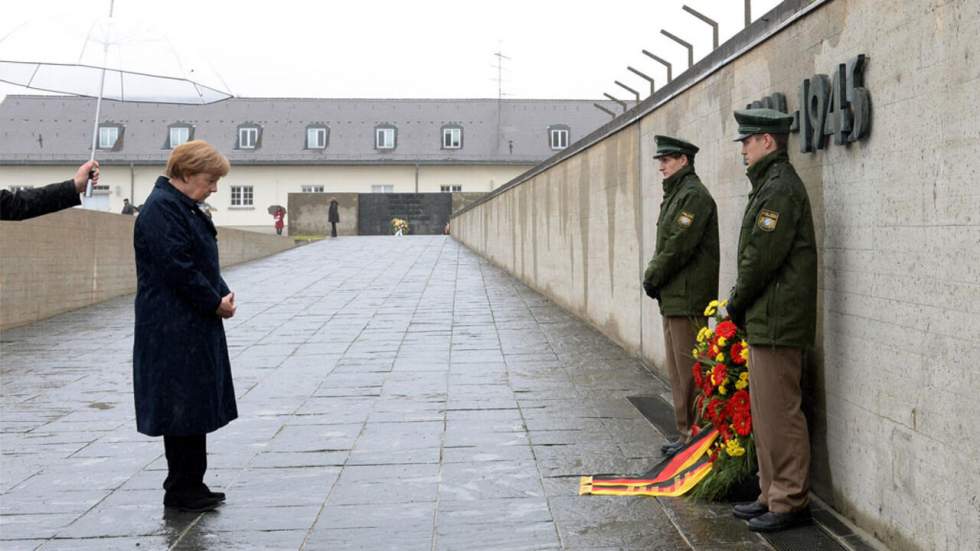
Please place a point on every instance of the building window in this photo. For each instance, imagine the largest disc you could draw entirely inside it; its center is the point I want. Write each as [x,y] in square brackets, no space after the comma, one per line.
[384,138]
[316,138]
[558,137]
[452,138]
[241,196]
[179,135]
[383,189]
[312,189]
[248,137]
[449,189]
[108,136]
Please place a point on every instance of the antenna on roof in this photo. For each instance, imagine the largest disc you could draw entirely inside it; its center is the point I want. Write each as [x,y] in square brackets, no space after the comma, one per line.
[500,71]
[499,54]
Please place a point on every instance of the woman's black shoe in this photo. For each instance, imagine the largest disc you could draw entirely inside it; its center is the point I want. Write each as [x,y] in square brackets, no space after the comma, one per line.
[220,496]
[190,503]
[749,510]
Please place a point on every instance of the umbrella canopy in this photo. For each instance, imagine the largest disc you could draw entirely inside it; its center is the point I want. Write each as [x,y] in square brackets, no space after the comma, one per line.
[140,63]
[273,208]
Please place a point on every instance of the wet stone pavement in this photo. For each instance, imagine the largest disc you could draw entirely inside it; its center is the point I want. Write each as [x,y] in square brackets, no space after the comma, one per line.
[394,393]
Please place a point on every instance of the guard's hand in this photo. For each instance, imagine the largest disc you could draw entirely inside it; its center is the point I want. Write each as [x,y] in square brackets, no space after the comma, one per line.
[651,291]
[227,307]
[84,172]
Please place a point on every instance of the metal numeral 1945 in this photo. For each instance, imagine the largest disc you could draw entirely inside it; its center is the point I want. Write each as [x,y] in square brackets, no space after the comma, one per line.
[838,107]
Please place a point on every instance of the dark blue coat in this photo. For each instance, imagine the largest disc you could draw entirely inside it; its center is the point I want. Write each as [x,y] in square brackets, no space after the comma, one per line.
[181,373]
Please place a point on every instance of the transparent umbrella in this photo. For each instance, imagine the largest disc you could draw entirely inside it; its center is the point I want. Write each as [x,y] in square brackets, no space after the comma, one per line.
[106,58]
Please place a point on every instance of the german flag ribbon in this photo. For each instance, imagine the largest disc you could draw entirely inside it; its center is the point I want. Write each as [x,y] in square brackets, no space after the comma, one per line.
[673,476]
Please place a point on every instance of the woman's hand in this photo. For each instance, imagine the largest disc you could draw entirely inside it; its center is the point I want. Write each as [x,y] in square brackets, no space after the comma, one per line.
[227,307]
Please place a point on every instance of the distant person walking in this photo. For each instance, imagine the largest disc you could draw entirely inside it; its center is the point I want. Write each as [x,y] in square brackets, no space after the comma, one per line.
[181,372]
[28,203]
[333,216]
[128,208]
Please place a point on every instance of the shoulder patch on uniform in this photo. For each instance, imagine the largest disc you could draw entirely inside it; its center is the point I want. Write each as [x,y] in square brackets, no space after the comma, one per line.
[767,220]
[685,219]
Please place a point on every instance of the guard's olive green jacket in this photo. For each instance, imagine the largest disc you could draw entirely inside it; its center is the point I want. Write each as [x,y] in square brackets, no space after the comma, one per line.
[685,266]
[777,257]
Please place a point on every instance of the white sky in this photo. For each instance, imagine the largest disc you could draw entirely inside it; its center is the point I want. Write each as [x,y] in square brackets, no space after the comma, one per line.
[420,48]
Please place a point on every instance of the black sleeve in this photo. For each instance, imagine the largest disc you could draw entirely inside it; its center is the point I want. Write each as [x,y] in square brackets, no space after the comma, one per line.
[28,203]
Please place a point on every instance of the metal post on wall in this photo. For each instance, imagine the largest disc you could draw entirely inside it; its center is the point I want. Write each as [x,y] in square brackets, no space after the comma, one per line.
[628,89]
[645,77]
[617,100]
[601,108]
[682,42]
[709,21]
[748,12]
[662,61]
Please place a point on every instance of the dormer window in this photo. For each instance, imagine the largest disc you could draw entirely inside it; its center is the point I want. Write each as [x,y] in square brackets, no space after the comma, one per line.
[558,136]
[316,137]
[384,137]
[452,137]
[248,136]
[109,136]
[178,134]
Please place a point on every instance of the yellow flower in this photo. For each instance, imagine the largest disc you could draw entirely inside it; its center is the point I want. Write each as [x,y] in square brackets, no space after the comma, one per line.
[722,341]
[712,308]
[694,352]
[733,448]
[740,384]
[720,357]
[745,354]
[722,390]
[704,334]
[723,303]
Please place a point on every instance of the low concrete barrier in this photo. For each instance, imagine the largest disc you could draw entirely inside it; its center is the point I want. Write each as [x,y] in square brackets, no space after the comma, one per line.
[75,258]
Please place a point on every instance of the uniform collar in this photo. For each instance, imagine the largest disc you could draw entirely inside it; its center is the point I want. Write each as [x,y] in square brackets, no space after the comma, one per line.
[671,183]
[757,172]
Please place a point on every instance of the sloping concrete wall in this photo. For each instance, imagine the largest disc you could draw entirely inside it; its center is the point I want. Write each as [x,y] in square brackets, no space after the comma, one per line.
[892,384]
[74,258]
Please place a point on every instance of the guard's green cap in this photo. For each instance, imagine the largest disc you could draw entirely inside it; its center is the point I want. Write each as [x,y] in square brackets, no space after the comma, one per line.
[669,146]
[762,121]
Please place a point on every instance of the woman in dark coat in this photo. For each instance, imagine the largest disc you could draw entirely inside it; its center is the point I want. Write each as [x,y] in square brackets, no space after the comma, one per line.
[333,217]
[181,373]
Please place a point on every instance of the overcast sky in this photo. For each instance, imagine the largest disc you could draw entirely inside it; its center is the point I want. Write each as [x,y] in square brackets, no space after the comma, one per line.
[414,49]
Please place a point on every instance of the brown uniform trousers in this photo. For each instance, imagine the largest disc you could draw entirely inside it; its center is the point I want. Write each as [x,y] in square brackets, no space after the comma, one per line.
[680,338]
[779,428]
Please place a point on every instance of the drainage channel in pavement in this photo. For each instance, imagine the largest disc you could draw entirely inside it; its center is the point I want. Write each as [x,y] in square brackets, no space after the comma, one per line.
[827,533]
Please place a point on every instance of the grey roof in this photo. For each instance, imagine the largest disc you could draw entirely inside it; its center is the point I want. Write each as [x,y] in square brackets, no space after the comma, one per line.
[57,129]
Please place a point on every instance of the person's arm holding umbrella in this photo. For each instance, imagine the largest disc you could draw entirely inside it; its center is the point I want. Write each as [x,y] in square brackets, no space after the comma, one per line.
[29,203]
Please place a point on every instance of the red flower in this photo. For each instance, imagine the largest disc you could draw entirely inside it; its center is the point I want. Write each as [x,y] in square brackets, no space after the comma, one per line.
[696,371]
[740,403]
[719,374]
[724,432]
[695,430]
[726,329]
[736,353]
[743,424]
[716,411]
[714,454]
[698,403]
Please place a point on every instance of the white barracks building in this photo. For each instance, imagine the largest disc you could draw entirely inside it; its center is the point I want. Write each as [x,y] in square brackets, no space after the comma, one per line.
[283,145]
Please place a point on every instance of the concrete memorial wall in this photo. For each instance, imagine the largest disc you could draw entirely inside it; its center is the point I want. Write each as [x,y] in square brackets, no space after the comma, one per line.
[891,386]
[74,258]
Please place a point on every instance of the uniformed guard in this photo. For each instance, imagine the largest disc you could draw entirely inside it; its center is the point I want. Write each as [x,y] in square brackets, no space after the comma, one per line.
[683,273]
[775,300]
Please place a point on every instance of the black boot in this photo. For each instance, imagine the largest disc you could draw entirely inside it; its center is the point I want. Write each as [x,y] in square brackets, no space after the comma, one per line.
[749,510]
[775,522]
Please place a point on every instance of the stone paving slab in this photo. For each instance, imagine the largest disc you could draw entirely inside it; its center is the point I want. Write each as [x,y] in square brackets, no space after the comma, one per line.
[394,393]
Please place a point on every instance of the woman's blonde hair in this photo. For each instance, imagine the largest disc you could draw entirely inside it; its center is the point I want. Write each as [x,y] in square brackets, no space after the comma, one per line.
[196,157]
